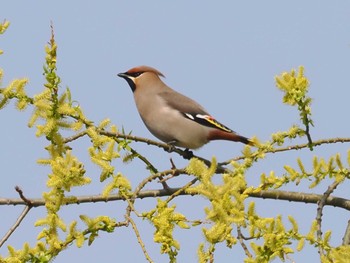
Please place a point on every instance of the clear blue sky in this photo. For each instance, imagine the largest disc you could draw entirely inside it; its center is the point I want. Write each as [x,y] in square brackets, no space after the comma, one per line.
[223,54]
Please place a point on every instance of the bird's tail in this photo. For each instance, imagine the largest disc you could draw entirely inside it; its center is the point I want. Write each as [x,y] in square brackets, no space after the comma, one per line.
[245,140]
[230,136]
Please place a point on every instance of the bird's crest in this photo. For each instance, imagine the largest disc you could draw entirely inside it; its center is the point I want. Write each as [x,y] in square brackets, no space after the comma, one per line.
[143,69]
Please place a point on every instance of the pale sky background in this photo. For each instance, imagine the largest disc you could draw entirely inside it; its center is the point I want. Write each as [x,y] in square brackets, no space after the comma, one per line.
[224,54]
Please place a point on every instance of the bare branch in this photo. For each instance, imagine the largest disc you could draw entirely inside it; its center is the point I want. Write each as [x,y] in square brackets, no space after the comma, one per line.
[149,166]
[320,206]
[346,238]
[15,225]
[295,147]
[20,218]
[302,197]
[182,190]
[139,240]
[269,194]
[308,135]
[21,195]
[241,241]
[155,176]
[74,137]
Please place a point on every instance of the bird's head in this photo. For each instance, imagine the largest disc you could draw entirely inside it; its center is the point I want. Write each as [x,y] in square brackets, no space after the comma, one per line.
[137,75]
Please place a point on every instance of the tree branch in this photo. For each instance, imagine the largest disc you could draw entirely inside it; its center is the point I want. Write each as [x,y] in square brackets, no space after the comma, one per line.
[346,238]
[269,194]
[137,233]
[294,147]
[20,218]
[320,206]
[241,241]
[169,148]
[75,137]
[302,198]
[15,225]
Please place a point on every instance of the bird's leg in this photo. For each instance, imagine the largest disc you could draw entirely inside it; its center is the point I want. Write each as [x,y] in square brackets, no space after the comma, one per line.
[187,154]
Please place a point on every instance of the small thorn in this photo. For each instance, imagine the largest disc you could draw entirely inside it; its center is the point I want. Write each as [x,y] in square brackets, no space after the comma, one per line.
[173,166]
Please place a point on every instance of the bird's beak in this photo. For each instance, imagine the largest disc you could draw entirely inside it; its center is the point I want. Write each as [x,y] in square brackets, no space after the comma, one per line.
[128,79]
[123,75]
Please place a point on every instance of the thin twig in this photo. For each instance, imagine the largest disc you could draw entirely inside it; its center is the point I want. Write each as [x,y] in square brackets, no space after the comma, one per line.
[21,195]
[116,136]
[172,175]
[306,120]
[143,183]
[155,176]
[149,165]
[241,241]
[308,135]
[71,239]
[74,137]
[181,190]
[15,225]
[294,147]
[320,206]
[346,238]
[139,240]
[211,253]
[20,218]
[173,166]
[302,198]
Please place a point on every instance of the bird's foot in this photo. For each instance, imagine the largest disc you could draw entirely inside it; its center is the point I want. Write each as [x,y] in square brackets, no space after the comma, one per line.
[187,154]
[171,146]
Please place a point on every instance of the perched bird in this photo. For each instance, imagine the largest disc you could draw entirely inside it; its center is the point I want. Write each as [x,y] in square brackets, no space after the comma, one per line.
[172,117]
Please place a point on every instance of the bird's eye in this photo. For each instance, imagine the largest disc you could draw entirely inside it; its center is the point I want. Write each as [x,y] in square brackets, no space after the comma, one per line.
[136,74]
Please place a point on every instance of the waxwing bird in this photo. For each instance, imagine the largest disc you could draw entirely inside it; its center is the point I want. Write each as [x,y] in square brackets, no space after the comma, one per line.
[171,116]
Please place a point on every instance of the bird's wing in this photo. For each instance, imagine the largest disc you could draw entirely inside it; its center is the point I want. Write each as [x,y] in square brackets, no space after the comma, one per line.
[192,110]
